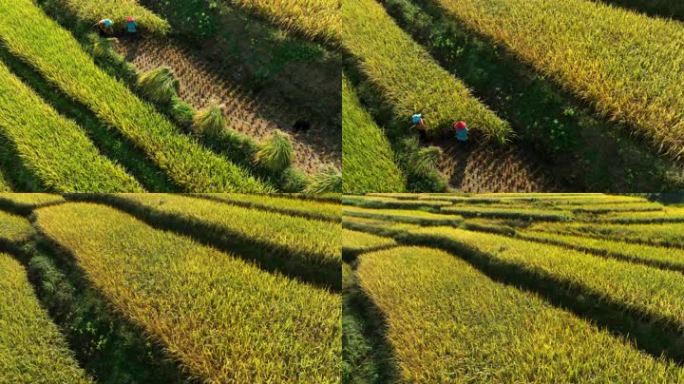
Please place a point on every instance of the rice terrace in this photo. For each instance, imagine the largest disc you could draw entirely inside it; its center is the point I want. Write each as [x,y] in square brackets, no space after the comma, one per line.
[161,96]
[513,288]
[161,288]
[513,95]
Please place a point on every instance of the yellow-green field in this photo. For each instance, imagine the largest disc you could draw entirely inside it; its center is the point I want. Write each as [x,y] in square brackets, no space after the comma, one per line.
[128,296]
[511,293]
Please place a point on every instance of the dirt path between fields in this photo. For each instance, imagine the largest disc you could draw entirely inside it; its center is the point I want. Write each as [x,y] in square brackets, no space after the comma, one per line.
[201,84]
[478,167]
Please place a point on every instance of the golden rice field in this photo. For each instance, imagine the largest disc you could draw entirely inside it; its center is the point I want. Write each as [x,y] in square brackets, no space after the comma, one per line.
[507,294]
[579,95]
[206,312]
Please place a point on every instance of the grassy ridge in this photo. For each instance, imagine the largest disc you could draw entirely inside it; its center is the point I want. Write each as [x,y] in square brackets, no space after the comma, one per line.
[285,204]
[449,323]
[224,319]
[313,18]
[53,148]
[4,184]
[385,202]
[31,35]
[407,77]
[31,347]
[93,11]
[668,214]
[649,292]
[628,66]
[658,256]
[368,160]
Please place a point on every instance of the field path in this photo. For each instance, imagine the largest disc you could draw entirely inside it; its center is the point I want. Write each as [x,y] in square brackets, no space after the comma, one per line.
[201,83]
[482,167]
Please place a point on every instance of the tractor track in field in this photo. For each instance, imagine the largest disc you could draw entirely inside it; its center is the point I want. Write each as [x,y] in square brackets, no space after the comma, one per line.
[478,167]
[201,84]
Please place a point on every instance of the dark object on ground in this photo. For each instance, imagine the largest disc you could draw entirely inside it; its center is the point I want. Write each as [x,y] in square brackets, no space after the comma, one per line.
[301,126]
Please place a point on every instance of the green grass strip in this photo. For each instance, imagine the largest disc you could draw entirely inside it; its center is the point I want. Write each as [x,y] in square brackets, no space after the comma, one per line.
[669,258]
[55,149]
[649,292]
[376,226]
[448,323]
[404,216]
[92,11]
[622,207]
[659,234]
[32,350]
[224,319]
[509,213]
[407,77]
[31,35]
[323,210]
[4,184]
[627,65]
[368,160]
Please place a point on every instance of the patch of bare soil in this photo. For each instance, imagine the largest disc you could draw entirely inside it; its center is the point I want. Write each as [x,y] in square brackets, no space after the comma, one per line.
[477,167]
[257,117]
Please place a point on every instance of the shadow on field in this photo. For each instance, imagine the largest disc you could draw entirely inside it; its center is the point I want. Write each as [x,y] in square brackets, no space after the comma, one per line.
[657,336]
[269,257]
[367,356]
[110,348]
[109,142]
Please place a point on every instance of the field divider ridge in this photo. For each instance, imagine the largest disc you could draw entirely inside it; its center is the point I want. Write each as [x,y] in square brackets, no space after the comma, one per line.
[264,255]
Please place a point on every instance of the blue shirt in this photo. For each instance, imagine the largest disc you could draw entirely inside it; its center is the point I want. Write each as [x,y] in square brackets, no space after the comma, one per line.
[107,23]
[462,134]
[416,118]
[132,27]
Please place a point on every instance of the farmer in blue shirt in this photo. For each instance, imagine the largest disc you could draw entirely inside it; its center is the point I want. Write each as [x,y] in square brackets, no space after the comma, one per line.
[131,25]
[419,124]
[461,131]
[106,27]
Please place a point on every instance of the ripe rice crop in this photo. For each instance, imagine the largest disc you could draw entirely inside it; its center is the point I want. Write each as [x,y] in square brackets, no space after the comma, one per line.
[368,160]
[93,11]
[32,36]
[24,203]
[390,203]
[354,242]
[223,319]
[652,293]
[407,77]
[627,65]
[509,213]
[376,226]
[307,247]
[668,235]
[32,350]
[667,215]
[448,323]
[54,149]
[660,256]
[313,18]
[285,204]
[404,216]
[14,229]
[606,208]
